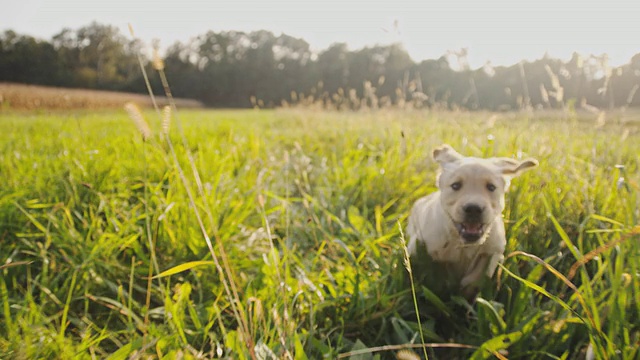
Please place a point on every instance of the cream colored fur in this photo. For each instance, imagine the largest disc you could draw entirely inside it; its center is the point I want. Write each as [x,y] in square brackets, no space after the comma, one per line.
[461,223]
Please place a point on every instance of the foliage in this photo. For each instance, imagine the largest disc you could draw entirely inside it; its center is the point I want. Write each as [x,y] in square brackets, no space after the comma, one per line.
[238,69]
[94,57]
[307,206]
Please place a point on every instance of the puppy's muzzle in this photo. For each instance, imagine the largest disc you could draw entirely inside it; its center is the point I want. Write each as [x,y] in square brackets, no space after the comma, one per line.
[472,228]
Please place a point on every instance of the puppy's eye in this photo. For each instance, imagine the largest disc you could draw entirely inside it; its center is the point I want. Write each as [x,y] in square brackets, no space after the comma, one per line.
[456,185]
[491,187]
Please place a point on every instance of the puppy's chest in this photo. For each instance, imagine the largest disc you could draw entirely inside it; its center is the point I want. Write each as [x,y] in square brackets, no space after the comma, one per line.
[455,254]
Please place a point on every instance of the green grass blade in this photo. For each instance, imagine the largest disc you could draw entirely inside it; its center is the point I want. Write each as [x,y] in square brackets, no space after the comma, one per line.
[183,267]
[491,347]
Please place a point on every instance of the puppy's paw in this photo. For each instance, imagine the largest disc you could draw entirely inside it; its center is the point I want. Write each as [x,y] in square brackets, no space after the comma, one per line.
[470,293]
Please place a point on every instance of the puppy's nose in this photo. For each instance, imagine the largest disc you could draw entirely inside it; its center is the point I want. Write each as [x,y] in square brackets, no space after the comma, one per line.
[473,211]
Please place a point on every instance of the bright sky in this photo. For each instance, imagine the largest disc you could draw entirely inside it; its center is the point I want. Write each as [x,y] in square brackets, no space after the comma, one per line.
[502,31]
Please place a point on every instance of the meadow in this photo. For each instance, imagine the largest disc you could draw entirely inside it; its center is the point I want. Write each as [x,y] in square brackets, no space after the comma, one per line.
[104,236]
[35,97]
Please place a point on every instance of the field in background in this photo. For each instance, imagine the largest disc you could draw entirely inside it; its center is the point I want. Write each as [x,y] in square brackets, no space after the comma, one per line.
[307,205]
[34,97]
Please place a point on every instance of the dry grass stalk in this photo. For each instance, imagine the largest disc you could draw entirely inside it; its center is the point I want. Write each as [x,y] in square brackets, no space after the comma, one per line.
[407,265]
[525,103]
[226,274]
[558,90]
[631,95]
[36,97]
[545,95]
[601,120]
[406,346]
[599,250]
[590,108]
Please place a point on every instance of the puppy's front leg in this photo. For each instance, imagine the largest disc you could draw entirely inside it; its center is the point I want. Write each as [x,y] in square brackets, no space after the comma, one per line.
[493,264]
[475,271]
[484,264]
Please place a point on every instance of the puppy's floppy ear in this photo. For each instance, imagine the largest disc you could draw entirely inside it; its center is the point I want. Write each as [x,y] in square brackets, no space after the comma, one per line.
[446,154]
[512,168]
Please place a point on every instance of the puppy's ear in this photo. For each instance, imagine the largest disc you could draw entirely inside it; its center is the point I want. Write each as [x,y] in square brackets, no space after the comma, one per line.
[445,154]
[512,168]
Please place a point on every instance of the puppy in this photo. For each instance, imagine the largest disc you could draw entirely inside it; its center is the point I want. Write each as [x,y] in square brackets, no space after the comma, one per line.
[460,225]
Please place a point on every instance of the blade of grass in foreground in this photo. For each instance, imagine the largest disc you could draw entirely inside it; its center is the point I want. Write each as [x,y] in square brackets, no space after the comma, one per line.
[590,323]
[225,273]
[183,267]
[407,264]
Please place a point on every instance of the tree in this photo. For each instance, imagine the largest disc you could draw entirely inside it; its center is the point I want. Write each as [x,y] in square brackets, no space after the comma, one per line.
[27,60]
[238,69]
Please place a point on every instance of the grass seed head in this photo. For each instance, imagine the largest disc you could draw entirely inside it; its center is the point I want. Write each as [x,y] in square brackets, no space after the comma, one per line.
[406,257]
[166,119]
[601,120]
[157,61]
[407,355]
[136,116]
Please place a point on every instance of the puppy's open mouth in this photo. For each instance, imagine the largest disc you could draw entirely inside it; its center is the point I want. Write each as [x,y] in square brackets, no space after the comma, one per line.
[471,232]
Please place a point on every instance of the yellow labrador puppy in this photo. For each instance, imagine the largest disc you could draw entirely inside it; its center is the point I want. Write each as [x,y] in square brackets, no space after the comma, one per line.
[460,225]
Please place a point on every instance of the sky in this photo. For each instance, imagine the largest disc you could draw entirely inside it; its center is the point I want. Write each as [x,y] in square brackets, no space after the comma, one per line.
[503,32]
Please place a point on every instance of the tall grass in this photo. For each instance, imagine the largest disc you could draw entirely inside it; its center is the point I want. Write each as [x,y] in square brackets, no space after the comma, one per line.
[306,206]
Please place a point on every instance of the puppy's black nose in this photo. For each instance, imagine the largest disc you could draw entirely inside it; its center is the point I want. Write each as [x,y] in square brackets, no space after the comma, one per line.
[473,211]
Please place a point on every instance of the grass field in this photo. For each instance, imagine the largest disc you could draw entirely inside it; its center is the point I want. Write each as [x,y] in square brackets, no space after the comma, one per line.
[304,211]
[35,97]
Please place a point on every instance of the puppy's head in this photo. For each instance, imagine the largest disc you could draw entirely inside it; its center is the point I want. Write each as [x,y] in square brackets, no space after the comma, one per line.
[472,189]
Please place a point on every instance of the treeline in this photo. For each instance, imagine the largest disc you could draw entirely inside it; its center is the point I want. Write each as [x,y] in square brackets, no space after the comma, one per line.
[237,69]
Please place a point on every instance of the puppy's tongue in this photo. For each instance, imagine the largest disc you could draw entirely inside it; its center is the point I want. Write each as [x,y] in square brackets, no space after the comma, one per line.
[472,228]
